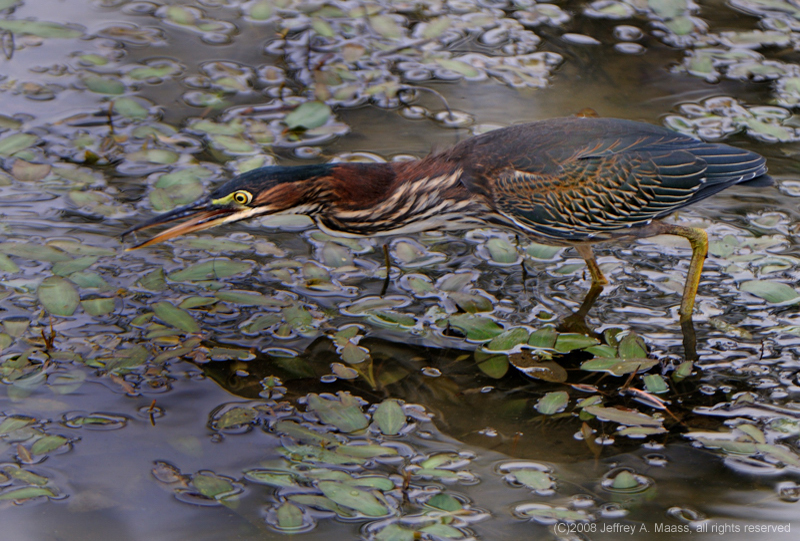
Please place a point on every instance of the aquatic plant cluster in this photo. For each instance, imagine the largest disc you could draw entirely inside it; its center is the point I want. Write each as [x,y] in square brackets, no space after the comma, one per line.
[115,115]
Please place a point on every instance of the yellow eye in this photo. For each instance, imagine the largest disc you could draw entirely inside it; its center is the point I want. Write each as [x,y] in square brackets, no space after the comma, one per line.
[242,197]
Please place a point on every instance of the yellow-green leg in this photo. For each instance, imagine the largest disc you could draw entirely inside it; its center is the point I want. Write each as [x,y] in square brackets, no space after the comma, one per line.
[585,251]
[699,242]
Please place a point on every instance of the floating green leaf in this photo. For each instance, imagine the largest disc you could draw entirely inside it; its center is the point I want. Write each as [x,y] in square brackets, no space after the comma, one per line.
[261,10]
[308,115]
[774,292]
[469,71]
[655,384]
[320,502]
[624,417]
[549,513]
[247,298]
[26,476]
[365,451]
[34,251]
[65,268]
[103,85]
[154,280]
[130,108]
[502,251]
[390,417]
[10,424]
[98,307]
[445,502]
[8,266]
[41,29]
[542,251]
[544,338]
[353,498]
[533,479]
[443,531]
[344,413]
[77,248]
[58,296]
[211,486]
[290,517]
[618,367]
[475,327]
[494,366]
[353,354]
[632,347]
[386,26]
[25,171]
[553,402]
[46,444]
[683,371]
[302,434]
[172,315]
[179,188]
[508,339]
[236,417]
[14,143]
[273,479]
[216,269]
[394,532]
[567,342]
[26,493]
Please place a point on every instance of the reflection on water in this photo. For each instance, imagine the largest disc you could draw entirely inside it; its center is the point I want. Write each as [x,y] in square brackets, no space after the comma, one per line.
[254,381]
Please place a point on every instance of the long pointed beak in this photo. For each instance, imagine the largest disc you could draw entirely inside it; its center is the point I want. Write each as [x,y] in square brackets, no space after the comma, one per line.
[202,215]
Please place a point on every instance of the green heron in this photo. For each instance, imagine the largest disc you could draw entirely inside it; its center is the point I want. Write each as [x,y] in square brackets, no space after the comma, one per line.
[567,182]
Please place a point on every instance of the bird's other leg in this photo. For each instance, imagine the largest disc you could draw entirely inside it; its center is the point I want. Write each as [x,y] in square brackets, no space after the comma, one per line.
[388,269]
[699,242]
[577,321]
[585,251]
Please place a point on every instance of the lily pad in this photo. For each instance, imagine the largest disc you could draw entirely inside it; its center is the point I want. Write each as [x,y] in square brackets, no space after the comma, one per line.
[566,342]
[58,296]
[172,315]
[445,502]
[26,493]
[98,307]
[623,417]
[533,479]
[290,517]
[302,434]
[211,485]
[247,298]
[10,424]
[103,85]
[554,402]
[475,327]
[344,413]
[16,142]
[508,339]
[390,417]
[34,251]
[47,444]
[617,366]
[774,292]
[215,269]
[544,338]
[41,29]
[354,498]
[310,114]
[65,268]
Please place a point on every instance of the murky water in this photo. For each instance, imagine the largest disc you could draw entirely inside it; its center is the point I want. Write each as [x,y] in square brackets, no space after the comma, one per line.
[251,382]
